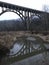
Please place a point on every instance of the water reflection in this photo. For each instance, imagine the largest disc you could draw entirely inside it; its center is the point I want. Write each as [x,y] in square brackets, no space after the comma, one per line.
[29,42]
[16,47]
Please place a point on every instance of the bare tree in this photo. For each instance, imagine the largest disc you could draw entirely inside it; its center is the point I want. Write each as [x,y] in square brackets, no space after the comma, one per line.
[46,9]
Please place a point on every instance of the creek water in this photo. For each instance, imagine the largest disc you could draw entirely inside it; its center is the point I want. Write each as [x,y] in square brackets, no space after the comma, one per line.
[31,40]
[35,44]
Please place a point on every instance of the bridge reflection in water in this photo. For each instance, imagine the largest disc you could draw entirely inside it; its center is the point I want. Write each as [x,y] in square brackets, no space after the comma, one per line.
[30,47]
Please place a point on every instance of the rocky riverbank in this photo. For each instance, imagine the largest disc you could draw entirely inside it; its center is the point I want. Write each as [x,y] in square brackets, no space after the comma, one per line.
[7,39]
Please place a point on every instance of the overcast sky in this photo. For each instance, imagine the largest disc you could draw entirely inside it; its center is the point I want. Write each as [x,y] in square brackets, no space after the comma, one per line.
[34,4]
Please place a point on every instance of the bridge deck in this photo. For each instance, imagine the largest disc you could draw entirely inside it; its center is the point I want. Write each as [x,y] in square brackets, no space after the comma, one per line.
[16,7]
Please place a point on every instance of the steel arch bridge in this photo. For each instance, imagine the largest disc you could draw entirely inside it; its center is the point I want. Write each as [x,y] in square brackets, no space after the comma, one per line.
[23,12]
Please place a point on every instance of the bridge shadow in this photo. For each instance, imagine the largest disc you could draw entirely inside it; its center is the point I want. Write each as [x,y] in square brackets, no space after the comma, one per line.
[26,51]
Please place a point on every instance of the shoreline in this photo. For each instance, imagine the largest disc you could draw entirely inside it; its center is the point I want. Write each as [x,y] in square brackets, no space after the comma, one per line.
[7,39]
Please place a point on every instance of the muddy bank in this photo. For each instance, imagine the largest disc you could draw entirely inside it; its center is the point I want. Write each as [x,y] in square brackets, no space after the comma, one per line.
[3,51]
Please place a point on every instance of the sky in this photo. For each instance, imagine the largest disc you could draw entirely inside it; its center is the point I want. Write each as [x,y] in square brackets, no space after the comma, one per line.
[34,4]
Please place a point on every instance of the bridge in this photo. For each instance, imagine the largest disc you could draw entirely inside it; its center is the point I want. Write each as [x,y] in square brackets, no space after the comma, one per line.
[23,12]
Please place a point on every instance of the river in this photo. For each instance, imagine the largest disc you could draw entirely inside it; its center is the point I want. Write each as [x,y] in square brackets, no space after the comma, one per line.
[34,44]
[31,40]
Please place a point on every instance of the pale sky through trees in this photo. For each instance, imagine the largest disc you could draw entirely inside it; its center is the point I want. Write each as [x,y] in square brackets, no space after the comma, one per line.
[34,4]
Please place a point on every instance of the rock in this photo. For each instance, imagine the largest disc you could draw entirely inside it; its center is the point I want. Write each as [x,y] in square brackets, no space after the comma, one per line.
[31,39]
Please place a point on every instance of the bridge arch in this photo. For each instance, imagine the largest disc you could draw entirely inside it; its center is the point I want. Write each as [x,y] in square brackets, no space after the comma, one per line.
[16,12]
